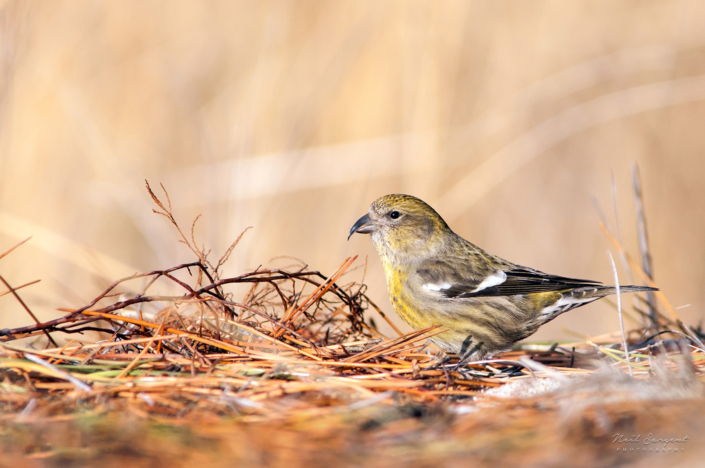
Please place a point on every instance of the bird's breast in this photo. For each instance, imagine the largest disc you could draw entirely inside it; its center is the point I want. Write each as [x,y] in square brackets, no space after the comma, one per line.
[404,305]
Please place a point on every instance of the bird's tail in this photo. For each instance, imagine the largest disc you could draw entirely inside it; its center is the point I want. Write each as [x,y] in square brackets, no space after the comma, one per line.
[607,290]
[596,292]
[582,295]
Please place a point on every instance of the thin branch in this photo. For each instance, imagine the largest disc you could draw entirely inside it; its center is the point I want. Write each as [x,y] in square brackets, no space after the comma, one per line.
[31,314]
[646,263]
[619,310]
[16,245]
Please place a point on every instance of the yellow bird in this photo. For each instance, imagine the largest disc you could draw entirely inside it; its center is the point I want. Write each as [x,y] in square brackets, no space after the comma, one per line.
[435,277]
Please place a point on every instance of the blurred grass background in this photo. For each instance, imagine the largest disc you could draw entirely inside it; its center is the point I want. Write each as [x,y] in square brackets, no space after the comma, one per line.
[292,116]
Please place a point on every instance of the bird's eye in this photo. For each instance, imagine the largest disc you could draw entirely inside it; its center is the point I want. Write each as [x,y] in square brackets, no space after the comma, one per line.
[394,214]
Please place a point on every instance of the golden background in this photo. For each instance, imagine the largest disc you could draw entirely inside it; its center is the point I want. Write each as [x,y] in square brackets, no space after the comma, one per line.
[292,116]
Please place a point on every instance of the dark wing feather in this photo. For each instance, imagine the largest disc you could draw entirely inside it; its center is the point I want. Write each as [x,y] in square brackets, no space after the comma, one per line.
[525,281]
[520,280]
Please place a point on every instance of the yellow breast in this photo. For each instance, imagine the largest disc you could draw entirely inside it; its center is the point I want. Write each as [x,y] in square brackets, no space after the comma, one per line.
[401,301]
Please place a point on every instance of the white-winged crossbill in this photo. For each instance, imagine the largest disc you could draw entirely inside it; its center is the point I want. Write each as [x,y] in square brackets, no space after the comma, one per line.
[484,303]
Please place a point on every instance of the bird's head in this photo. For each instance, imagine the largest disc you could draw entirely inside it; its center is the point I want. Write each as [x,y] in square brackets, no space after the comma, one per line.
[401,225]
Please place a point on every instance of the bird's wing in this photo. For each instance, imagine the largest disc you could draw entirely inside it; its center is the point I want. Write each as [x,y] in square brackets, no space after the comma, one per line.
[456,280]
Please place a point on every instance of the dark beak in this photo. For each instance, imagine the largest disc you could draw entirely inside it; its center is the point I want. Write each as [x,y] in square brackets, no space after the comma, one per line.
[364,225]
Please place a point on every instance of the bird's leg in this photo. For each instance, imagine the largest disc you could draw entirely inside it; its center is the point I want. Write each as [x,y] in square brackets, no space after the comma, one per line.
[464,359]
[466,352]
